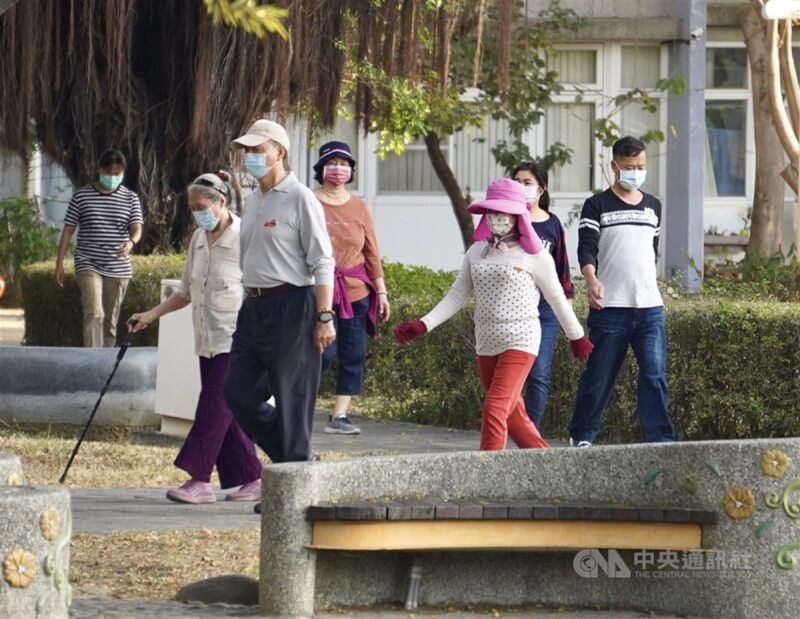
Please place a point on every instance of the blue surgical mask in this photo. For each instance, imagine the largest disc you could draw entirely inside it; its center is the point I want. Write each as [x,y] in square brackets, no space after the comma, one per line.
[256,164]
[110,181]
[205,219]
[632,179]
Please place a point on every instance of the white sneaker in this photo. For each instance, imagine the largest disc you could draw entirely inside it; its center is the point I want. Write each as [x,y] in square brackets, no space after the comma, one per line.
[580,444]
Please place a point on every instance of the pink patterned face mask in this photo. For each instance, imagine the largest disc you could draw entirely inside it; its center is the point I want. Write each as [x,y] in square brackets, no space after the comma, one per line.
[337,174]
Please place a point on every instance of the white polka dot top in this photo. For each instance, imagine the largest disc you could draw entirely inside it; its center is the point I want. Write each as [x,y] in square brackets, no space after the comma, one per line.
[506,285]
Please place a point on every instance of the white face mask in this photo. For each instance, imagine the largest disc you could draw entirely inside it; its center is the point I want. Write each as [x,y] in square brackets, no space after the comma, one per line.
[531,193]
[632,179]
[500,224]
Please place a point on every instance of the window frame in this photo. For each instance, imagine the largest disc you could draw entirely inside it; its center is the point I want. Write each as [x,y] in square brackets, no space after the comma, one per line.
[743,95]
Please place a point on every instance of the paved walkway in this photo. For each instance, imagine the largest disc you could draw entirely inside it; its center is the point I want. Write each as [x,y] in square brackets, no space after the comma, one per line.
[102,510]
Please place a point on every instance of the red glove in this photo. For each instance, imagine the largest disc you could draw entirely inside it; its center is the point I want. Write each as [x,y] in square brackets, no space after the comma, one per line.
[407,331]
[581,348]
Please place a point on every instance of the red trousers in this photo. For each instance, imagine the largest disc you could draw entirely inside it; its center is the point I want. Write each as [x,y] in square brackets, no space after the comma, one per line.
[503,376]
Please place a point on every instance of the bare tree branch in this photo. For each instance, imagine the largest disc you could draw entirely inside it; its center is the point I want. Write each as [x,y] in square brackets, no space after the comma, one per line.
[779,116]
[789,174]
[791,89]
[6,4]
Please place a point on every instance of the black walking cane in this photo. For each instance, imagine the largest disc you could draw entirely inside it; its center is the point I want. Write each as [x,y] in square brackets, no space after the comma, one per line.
[122,349]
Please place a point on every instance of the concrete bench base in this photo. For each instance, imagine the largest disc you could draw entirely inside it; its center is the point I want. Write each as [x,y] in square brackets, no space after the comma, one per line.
[747,568]
[35,529]
[43,385]
[10,470]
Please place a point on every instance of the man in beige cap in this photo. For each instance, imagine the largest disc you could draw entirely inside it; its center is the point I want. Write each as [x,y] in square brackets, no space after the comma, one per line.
[286,320]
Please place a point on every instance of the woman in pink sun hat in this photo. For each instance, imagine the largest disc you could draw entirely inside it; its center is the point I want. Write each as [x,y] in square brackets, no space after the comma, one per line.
[505,268]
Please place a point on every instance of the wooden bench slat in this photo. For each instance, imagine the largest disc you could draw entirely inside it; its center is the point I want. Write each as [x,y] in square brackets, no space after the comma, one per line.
[397,510]
[470,511]
[441,509]
[495,511]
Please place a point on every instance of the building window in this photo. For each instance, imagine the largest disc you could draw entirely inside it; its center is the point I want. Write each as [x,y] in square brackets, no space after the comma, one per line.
[726,67]
[574,66]
[641,66]
[571,124]
[727,97]
[410,172]
[475,165]
[726,131]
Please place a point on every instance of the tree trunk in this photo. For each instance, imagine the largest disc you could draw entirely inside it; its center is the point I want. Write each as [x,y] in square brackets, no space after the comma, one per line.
[450,184]
[766,228]
[6,4]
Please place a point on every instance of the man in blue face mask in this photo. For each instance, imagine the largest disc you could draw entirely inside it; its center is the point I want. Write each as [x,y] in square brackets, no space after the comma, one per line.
[617,248]
[108,218]
[286,319]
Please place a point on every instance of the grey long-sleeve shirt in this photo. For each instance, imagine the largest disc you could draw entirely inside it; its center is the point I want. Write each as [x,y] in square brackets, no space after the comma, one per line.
[284,238]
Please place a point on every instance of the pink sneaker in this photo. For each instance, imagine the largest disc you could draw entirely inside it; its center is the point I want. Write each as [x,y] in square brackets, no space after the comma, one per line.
[248,492]
[193,492]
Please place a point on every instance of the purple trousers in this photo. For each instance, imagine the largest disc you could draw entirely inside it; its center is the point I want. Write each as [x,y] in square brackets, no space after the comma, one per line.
[215,437]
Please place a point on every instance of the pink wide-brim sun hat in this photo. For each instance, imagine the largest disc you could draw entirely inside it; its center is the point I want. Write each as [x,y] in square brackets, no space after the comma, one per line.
[502,196]
[506,196]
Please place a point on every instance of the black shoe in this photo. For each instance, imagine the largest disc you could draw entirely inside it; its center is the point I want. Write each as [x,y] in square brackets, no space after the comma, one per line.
[257,508]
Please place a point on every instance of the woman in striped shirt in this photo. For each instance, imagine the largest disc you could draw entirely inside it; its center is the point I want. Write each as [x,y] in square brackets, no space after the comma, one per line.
[108,217]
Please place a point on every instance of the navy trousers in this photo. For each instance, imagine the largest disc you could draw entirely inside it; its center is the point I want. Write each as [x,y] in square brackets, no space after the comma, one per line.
[273,354]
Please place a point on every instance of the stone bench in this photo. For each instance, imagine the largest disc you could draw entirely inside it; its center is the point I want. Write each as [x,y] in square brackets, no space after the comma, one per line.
[747,553]
[59,386]
[35,531]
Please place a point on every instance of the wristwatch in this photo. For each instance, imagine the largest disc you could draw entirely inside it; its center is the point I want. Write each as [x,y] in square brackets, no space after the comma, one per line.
[325,316]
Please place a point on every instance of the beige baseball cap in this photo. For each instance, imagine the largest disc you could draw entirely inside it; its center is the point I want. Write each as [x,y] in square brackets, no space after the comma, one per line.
[261,131]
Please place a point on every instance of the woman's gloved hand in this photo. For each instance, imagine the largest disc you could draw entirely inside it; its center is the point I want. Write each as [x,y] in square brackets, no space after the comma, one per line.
[409,330]
[581,348]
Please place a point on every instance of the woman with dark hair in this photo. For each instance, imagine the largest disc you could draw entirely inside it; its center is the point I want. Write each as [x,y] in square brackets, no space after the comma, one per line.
[108,217]
[533,178]
[359,292]
[212,283]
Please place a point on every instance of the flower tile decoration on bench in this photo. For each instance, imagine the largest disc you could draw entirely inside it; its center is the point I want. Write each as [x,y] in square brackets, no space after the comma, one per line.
[739,503]
[49,524]
[19,568]
[775,463]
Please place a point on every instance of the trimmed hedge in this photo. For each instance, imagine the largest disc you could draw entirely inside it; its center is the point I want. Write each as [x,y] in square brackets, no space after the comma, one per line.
[53,314]
[734,371]
[734,365]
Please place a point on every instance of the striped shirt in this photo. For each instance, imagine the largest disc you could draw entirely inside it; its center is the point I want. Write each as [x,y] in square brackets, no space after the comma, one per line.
[103,221]
[621,241]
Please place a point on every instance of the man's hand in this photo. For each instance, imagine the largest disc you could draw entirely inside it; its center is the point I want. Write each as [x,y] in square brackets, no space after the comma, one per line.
[594,292]
[59,274]
[124,249]
[324,335]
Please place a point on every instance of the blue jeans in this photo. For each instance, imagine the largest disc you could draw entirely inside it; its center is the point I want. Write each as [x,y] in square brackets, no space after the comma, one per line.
[538,384]
[611,330]
[350,349]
